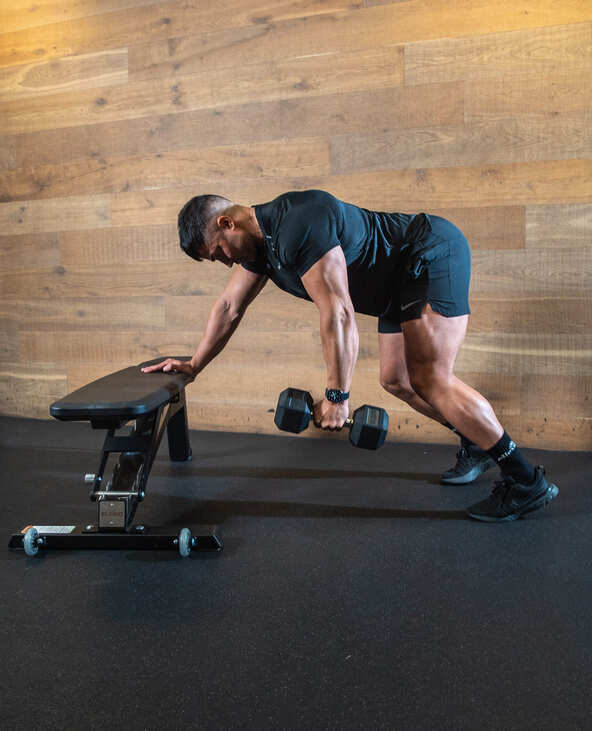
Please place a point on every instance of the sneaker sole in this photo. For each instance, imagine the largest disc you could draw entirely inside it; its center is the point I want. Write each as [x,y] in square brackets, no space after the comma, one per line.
[551,493]
[469,476]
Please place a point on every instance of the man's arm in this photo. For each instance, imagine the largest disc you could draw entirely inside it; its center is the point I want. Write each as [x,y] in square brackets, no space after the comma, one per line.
[224,317]
[327,284]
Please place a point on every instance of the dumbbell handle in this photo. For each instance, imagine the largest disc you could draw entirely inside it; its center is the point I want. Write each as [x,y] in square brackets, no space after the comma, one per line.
[349,422]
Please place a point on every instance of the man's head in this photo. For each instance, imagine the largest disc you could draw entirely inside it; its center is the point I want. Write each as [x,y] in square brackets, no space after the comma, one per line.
[214,228]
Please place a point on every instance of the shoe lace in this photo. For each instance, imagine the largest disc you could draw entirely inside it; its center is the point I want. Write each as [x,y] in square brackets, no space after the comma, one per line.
[462,456]
[501,487]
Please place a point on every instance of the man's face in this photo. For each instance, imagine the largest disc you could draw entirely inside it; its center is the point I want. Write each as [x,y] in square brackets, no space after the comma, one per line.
[230,245]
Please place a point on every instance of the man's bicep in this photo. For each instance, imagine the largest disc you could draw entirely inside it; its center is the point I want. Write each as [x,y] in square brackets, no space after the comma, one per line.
[326,281]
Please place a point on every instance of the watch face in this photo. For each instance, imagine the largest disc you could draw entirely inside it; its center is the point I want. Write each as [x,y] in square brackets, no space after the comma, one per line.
[335,395]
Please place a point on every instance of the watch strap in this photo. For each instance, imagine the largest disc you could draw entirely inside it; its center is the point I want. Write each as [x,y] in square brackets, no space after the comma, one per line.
[335,396]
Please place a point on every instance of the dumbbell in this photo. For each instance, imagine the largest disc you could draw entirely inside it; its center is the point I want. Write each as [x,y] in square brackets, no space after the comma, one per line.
[367,429]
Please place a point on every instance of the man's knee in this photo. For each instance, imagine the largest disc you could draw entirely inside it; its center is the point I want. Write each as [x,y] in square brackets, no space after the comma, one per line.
[430,383]
[399,387]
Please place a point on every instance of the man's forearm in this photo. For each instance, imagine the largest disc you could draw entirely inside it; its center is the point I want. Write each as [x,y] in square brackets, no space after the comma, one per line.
[222,322]
[339,335]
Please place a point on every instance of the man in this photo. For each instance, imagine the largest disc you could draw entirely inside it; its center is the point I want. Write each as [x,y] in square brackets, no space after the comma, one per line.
[412,272]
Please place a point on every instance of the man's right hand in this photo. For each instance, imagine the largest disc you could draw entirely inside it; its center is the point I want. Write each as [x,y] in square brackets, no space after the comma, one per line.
[170,365]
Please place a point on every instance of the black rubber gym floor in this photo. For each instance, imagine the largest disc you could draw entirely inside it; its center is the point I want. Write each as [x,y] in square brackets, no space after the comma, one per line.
[352,593]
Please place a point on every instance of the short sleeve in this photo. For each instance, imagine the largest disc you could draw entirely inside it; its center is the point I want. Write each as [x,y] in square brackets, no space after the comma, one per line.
[306,235]
[259,265]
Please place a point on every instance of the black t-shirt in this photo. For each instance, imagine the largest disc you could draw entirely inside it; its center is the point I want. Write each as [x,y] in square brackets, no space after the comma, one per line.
[301,227]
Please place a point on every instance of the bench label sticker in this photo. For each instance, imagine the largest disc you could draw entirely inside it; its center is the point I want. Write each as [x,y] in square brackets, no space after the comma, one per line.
[51,528]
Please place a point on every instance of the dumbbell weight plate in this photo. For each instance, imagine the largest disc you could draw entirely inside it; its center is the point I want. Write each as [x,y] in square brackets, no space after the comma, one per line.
[294,410]
[369,428]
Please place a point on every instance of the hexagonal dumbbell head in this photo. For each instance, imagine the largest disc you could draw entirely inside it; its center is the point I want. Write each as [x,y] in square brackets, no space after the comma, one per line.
[369,428]
[294,410]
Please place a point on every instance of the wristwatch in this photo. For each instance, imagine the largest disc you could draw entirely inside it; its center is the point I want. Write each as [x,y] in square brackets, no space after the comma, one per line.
[335,396]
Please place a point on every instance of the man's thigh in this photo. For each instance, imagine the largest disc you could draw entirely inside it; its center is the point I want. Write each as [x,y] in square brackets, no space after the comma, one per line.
[433,341]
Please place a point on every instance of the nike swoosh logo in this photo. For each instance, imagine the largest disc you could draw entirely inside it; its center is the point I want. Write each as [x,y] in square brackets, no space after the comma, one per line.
[410,304]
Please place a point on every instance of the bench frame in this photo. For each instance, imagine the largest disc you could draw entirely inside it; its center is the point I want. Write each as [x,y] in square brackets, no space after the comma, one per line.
[118,499]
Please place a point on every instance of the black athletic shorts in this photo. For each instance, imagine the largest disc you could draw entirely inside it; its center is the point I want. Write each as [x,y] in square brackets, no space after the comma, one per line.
[444,283]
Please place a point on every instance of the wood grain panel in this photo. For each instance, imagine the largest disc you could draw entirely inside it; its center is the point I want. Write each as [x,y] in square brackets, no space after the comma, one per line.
[272,159]
[242,45]
[501,55]
[20,16]
[78,347]
[128,26]
[495,227]
[545,433]
[551,182]
[7,153]
[97,313]
[87,71]
[29,251]
[133,346]
[563,273]
[230,123]
[371,3]
[58,214]
[109,247]
[393,23]
[568,397]
[26,391]
[171,58]
[489,142]
[9,346]
[536,353]
[562,225]
[309,76]
[514,313]
[137,278]
[550,95]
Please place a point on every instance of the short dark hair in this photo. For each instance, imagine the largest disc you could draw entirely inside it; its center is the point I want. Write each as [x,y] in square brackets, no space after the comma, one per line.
[193,221]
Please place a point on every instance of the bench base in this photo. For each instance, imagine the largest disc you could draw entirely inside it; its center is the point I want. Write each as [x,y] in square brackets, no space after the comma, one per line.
[202,538]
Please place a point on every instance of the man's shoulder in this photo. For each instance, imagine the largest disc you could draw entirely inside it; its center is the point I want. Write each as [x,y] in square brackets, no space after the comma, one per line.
[305,198]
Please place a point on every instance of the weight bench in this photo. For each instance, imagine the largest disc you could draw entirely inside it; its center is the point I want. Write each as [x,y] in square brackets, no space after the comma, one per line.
[153,402]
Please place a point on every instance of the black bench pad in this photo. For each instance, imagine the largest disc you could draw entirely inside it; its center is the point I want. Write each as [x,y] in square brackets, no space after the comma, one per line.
[125,394]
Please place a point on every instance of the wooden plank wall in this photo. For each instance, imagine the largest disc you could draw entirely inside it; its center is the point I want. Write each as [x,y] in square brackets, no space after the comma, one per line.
[113,114]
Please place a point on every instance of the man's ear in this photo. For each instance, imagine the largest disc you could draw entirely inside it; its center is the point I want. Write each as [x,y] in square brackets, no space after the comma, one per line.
[225,222]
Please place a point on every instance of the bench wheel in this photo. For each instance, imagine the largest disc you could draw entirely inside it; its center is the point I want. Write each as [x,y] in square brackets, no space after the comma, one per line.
[184,542]
[31,541]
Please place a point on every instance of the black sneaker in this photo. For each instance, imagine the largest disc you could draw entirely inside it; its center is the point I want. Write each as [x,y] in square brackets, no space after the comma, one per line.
[468,467]
[510,500]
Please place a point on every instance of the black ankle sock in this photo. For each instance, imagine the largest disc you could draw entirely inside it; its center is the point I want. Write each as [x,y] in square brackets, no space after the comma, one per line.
[464,442]
[511,461]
